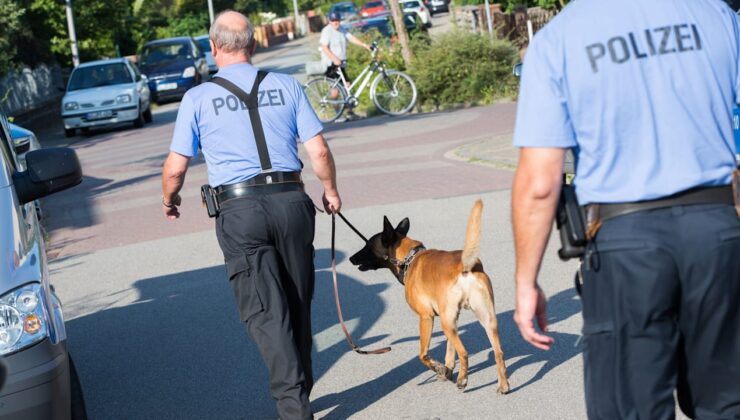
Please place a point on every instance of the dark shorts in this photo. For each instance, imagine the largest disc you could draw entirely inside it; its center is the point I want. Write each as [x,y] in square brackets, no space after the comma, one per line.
[332,73]
[661,293]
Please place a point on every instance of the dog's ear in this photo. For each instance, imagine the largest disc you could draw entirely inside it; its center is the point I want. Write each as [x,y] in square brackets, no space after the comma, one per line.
[403,227]
[388,232]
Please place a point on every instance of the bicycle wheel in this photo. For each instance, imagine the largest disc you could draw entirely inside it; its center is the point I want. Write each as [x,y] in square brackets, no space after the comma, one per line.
[393,92]
[319,94]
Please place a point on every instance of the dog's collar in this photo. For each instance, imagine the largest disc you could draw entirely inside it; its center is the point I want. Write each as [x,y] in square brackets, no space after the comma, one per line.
[403,266]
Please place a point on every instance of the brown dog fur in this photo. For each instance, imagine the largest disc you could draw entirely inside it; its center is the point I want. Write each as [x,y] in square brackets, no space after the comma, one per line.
[441,283]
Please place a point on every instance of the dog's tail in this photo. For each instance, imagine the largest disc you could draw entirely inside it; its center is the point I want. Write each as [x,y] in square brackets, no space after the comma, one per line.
[471,251]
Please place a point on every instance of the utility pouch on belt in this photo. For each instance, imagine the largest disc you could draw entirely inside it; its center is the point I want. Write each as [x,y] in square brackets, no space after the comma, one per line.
[208,196]
[736,190]
[569,221]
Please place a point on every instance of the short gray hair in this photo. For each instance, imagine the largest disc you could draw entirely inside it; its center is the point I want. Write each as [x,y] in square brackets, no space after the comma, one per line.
[231,39]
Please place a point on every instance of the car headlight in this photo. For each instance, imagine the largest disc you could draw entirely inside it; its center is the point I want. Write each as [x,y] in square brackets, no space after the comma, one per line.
[23,321]
[71,106]
[123,99]
[189,72]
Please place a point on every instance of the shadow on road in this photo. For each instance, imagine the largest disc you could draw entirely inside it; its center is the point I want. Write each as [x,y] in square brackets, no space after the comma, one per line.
[179,351]
[561,306]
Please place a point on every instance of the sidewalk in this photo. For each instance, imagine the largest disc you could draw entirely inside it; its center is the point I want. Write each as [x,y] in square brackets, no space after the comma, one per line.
[496,151]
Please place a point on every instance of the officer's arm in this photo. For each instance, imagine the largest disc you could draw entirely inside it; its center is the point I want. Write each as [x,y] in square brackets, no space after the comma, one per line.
[322,163]
[534,200]
[173,176]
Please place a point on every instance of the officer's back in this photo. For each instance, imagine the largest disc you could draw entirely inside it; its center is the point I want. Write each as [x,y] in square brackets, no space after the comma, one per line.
[647,89]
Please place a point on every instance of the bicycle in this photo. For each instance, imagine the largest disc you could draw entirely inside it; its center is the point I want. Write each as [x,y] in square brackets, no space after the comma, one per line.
[392,91]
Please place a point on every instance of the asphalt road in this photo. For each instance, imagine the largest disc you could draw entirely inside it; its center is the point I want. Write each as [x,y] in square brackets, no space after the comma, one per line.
[152,322]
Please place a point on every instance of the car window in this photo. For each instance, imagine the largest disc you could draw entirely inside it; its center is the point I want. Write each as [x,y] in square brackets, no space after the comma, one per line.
[159,53]
[410,4]
[374,4]
[204,44]
[99,75]
[137,74]
[196,50]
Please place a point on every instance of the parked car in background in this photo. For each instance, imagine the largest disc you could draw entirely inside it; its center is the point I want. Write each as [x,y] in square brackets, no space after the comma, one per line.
[373,8]
[383,23]
[105,92]
[173,66]
[436,6]
[418,7]
[41,380]
[204,44]
[346,9]
[24,141]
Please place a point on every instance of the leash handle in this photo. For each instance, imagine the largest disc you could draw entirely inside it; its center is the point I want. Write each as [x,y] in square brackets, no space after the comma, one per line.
[352,344]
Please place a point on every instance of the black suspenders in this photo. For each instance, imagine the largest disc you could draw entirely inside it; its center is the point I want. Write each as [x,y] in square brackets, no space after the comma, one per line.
[251,101]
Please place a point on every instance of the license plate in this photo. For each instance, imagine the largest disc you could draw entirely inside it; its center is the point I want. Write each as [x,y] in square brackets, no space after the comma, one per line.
[166,86]
[98,115]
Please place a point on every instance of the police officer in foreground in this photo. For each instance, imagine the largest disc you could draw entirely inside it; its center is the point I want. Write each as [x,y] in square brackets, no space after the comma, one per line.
[644,91]
[246,123]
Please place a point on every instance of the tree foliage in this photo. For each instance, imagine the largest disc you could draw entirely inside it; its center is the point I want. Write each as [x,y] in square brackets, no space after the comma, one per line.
[11,23]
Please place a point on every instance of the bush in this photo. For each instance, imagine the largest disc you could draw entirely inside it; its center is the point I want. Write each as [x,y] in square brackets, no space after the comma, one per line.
[461,67]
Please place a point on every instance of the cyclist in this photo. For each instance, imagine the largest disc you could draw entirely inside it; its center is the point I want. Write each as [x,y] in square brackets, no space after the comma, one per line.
[333,46]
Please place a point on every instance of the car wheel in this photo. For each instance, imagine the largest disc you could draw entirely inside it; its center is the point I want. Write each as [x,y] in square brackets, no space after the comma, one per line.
[139,121]
[148,115]
[69,132]
[79,411]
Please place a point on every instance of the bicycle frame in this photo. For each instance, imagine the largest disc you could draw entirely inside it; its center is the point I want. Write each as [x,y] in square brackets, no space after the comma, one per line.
[364,78]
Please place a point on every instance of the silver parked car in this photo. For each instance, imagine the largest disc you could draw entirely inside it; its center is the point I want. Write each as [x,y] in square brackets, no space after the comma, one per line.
[105,92]
[40,380]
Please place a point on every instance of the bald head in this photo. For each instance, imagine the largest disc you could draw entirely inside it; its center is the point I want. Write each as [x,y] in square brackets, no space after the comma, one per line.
[232,33]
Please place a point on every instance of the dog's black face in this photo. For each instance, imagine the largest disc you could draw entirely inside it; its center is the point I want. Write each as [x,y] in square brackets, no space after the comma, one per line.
[381,246]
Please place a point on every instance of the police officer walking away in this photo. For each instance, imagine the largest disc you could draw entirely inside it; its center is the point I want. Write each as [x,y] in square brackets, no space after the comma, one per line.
[246,123]
[644,91]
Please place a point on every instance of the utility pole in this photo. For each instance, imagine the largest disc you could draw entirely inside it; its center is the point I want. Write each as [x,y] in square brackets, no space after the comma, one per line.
[210,11]
[403,36]
[489,21]
[297,27]
[72,34]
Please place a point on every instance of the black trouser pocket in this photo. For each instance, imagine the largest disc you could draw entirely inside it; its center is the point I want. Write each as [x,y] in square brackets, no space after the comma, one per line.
[244,285]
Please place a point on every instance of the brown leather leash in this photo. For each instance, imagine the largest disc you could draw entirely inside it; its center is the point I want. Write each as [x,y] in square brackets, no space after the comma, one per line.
[352,344]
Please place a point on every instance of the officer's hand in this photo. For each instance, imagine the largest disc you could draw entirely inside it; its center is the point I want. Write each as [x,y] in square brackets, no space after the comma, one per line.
[332,202]
[530,303]
[171,212]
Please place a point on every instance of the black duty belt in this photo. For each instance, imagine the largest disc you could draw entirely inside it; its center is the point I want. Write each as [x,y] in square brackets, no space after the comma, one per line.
[266,178]
[702,195]
[252,190]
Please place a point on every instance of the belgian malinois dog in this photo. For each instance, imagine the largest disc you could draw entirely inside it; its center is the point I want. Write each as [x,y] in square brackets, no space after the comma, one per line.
[439,283]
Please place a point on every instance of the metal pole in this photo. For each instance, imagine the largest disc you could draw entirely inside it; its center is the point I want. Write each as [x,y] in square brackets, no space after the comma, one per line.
[210,11]
[530,32]
[488,18]
[72,34]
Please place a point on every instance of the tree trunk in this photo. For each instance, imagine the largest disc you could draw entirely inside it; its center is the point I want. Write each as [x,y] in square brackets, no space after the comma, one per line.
[403,36]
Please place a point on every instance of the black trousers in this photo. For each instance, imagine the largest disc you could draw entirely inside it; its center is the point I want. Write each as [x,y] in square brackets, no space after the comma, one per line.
[661,311]
[267,241]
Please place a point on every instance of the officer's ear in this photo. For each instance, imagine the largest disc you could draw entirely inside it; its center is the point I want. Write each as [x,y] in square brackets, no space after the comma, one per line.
[252,47]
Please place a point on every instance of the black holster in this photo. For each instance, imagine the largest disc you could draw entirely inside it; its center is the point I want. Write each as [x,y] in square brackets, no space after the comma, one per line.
[208,196]
[569,220]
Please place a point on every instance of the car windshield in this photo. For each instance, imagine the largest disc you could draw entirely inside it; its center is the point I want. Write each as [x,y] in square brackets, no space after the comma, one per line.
[344,8]
[100,75]
[410,4]
[374,4]
[204,44]
[158,53]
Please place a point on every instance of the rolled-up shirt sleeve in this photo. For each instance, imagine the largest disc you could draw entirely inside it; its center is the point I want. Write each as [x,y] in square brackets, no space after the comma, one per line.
[542,118]
[186,137]
[307,123]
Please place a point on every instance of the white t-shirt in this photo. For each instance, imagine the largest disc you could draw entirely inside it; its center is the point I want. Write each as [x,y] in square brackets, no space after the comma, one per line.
[337,42]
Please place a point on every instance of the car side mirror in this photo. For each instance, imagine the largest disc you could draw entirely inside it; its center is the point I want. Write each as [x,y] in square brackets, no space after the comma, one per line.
[138,77]
[518,69]
[49,170]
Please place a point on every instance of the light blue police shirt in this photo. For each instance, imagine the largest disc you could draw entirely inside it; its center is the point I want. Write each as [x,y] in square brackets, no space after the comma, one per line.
[214,120]
[643,89]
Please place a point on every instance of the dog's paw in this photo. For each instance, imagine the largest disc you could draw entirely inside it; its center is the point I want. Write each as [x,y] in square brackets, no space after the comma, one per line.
[462,383]
[503,389]
[444,374]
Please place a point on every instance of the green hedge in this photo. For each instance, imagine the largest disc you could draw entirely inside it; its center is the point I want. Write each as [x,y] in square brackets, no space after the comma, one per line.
[461,67]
